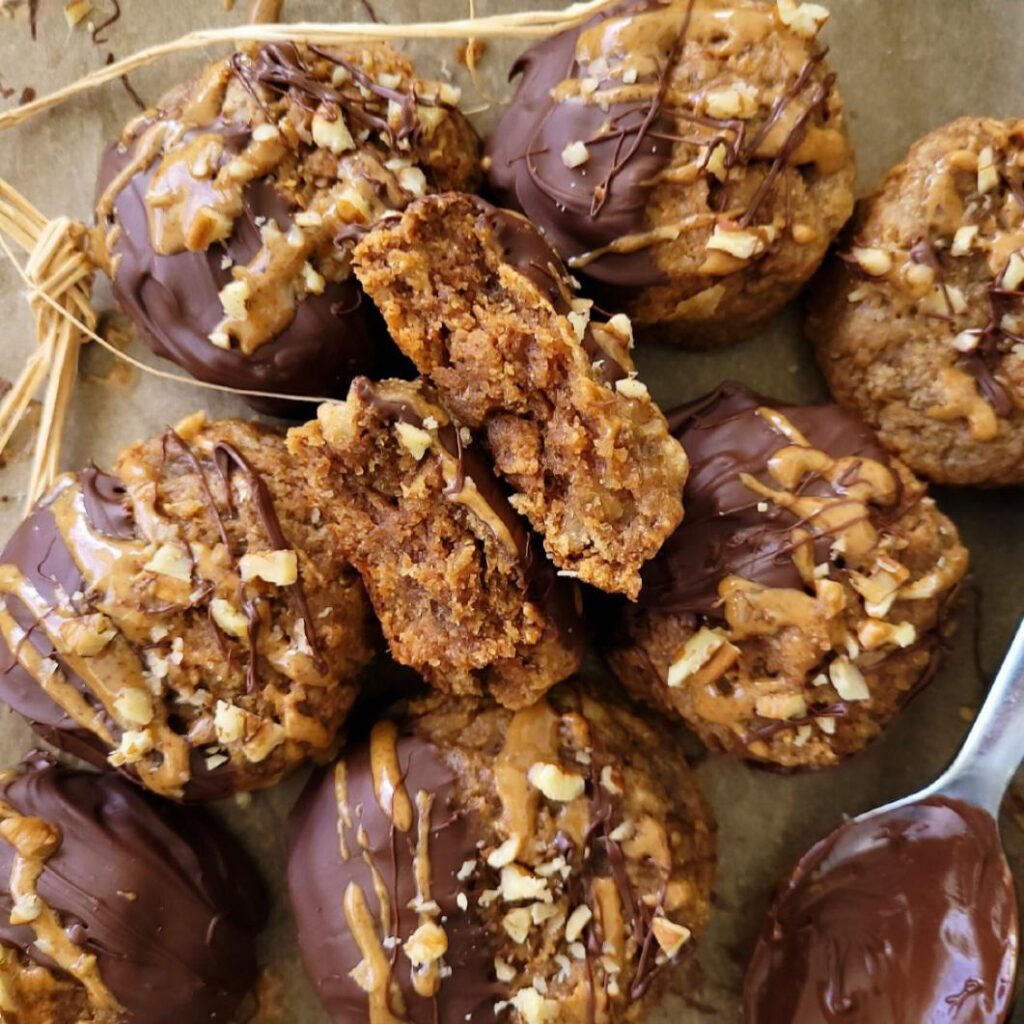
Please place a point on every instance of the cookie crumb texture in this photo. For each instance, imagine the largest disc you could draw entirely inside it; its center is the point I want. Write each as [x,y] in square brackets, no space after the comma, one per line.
[227,215]
[689,157]
[117,908]
[483,307]
[919,323]
[807,596]
[468,861]
[185,619]
[460,586]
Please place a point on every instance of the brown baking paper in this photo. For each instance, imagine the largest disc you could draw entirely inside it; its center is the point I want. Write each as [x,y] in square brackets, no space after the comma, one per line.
[905,66]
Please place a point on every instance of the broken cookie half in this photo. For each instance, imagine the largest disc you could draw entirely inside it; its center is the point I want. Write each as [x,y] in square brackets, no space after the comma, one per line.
[483,306]
[461,587]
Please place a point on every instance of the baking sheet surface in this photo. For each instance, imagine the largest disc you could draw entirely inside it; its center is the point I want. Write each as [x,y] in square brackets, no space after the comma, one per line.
[905,66]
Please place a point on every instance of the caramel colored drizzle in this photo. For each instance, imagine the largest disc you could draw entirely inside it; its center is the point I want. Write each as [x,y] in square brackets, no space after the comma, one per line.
[388,786]
[34,841]
[374,971]
[532,736]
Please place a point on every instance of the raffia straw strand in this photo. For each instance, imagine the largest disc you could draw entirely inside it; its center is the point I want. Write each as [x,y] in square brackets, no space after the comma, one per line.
[524,25]
[137,363]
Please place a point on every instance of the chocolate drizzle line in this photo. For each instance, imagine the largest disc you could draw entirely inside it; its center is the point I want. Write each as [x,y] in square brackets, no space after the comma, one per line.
[227,458]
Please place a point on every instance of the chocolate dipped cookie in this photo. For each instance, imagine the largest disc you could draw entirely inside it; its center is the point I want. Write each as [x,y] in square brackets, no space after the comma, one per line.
[467,861]
[687,158]
[461,587]
[226,216]
[919,320]
[116,908]
[483,306]
[807,595]
[187,618]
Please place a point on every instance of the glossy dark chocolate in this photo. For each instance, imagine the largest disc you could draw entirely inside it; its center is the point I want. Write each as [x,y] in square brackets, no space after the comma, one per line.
[908,917]
[723,532]
[318,877]
[165,899]
[174,301]
[528,174]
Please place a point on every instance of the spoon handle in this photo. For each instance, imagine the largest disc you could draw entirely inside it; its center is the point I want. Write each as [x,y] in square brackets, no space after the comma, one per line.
[994,746]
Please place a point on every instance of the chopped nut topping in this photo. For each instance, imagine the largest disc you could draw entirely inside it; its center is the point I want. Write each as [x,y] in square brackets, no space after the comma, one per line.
[872,634]
[428,943]
[518,884]
[332,134]
[413,181]
[827,724]
[413,439]
[848,680]
[739,100]
[804,19]
[609,781]
[506,853]
[554,783]
[781,706]
[630,387]
[533,1007]
[278,567]
[134,746]
[988,173]
[229,722]
[1013,274]
[876,262]
[27,908]
[517,924]
[229,618]
[578,920]
[963,240]
[671,937]
[134,706]
[503,971]
[744,245]
[575,154]
[697,651]
[233,299]
[171,560]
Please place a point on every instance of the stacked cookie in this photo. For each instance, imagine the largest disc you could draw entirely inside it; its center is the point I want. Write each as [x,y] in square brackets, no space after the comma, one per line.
[491,480]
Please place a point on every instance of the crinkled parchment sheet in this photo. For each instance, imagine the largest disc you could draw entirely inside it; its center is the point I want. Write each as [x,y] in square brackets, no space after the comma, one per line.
[905,66]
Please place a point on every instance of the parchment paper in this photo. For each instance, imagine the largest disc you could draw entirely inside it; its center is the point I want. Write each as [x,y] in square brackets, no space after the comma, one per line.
[905,66]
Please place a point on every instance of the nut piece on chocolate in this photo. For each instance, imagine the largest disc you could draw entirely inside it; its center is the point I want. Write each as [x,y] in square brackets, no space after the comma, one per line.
[482,305]
[807,595]
[227,215]
[460,585]
[689,156]
[188,619]
[545,865]
[919,322]
[118,908]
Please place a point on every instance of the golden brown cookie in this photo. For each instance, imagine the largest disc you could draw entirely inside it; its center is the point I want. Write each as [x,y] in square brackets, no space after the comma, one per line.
[482,305]
[227,215]
[919,321]
[188,619]
[540,865]
[807,595]
[687,158]
[461,587]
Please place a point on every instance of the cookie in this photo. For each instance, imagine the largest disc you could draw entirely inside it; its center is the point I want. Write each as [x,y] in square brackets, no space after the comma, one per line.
[688,159]
[919,321]
[466,860]
[460,585]
[482,305]
[807,595]
[226,217]
[186,619]
[116,907]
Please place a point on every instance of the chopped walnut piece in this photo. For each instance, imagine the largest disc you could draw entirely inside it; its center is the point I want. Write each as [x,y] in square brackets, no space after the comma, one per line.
[554,783]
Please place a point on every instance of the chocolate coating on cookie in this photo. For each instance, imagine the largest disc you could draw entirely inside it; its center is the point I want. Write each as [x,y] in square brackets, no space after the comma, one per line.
[467,861]
[116,908]
[180,620]
[726,532]
[926,884]
[687,156]
[228,213]
[808,592]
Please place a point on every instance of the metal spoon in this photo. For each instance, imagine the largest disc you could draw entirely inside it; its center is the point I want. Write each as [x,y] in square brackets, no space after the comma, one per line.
[906,914]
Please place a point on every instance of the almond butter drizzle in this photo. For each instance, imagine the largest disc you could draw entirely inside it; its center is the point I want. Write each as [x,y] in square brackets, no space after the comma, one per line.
[532,736]
[344,811]
[388,787]
[374,971]
[34,841]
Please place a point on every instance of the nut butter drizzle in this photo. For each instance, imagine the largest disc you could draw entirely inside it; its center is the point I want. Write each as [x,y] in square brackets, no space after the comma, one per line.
[98,671]
[202,169]
[609,929]
[34,841]
[426,946]
[644,106]
[986,227]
